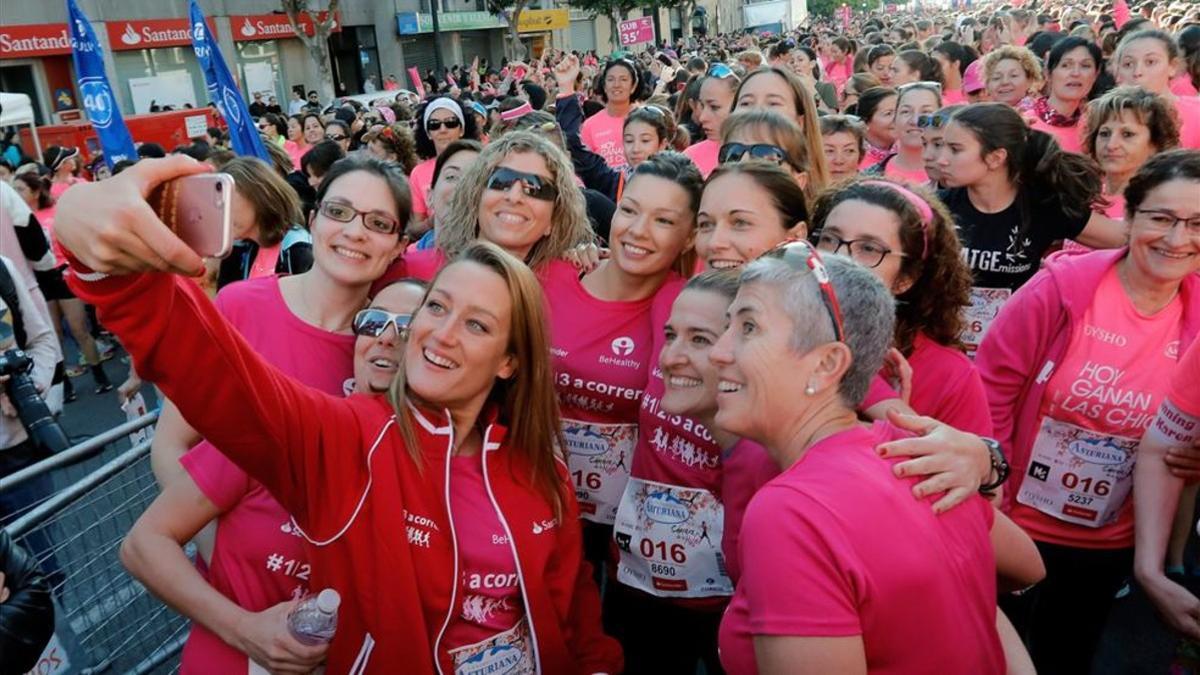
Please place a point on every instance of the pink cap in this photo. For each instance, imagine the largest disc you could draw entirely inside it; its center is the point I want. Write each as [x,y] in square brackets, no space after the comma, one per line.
[973,77]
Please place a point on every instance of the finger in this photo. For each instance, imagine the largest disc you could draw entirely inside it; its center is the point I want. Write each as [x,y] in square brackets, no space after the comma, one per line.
[168,248]
[907,447]
[149,173]
[937,483]
[952,499]
[915,423]
[923,466]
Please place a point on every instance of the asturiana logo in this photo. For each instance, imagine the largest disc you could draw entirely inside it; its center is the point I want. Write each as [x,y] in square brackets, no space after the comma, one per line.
[585,441]
[664,507]
[1098,451]
[493,661]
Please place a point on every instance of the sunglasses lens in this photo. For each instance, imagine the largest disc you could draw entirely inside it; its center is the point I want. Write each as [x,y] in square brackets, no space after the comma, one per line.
[370,323]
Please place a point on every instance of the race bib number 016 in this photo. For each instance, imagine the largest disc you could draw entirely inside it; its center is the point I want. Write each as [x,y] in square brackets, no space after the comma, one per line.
[1078,476]
[669,539]
[985,305]
[599,457]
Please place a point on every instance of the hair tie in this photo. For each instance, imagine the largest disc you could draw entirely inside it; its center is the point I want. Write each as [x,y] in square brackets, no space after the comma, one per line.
[919,203]
[443,103]
[517,112]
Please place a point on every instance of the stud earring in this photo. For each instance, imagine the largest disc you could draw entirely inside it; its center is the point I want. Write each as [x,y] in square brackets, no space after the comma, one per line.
[810,390]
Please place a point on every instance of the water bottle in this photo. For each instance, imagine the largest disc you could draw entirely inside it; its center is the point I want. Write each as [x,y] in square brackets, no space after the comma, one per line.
[314,620]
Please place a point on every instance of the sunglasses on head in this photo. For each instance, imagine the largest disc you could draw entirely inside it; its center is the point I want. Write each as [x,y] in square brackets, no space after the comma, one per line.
[721,71]
[924,84]
[372,322]
[801,255]
[532,185]
[374,221]
[451,123]
[736,152]
[934,121]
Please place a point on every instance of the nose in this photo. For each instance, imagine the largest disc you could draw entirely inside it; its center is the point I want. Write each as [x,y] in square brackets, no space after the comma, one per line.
[672,355]
[721,353]
[390,337]
[719,240]
[515,192]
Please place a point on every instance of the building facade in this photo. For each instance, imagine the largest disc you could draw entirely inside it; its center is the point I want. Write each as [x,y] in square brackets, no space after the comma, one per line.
[150,61]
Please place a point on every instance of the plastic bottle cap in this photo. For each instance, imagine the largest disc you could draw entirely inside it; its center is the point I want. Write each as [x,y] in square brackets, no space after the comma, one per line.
[328,601]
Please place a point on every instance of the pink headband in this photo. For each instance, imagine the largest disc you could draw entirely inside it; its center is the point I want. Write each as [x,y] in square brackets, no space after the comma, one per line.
[516,113]
[923,208]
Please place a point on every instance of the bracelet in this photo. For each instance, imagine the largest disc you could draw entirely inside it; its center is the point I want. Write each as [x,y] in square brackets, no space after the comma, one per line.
[1000,467]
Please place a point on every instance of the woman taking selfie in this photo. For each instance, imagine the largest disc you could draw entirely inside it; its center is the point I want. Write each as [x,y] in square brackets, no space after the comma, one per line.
[463,444]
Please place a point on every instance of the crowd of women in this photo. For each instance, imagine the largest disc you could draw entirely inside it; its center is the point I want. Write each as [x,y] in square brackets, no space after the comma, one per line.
[864,348]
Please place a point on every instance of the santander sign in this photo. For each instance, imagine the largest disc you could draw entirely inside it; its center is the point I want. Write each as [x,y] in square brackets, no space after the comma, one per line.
[46,39]
[150,33]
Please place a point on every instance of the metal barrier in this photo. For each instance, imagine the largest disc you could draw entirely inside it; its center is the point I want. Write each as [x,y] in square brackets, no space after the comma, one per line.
[107,621]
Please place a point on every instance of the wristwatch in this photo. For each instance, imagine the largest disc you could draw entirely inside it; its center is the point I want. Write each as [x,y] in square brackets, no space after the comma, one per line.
[1000,466]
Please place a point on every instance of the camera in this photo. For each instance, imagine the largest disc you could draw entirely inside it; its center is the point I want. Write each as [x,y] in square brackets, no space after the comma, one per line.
[44,431]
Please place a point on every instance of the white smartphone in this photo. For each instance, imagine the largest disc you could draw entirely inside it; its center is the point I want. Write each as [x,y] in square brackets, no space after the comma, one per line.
[197,209]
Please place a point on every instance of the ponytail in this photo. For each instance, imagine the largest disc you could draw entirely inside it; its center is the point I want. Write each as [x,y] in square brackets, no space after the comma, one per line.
[1071,180]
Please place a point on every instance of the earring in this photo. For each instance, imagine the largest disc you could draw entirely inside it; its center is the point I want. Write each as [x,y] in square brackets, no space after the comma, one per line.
[810,390]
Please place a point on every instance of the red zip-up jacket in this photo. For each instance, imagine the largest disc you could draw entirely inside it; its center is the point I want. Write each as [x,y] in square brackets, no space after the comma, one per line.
[380,526]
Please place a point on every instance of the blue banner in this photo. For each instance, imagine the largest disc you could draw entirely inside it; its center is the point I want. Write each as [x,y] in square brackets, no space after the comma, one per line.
[223,91]
[98,99]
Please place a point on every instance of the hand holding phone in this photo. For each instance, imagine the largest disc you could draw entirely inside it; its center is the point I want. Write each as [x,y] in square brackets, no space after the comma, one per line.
[198,210]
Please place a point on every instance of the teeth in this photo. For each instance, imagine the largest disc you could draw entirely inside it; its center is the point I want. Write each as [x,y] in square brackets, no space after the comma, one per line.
[511,219]
[384,363]
[724,264]
[349,253]
[728,387]
[1173,256]
[681,381]
[439,360]
[636,250]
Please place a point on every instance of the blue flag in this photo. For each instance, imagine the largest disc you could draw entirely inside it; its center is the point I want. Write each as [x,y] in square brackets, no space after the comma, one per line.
[223,91]
[98,99]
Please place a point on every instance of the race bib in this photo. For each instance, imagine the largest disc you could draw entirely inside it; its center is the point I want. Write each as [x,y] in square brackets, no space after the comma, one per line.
[985,305]
[509,652]
[599,456]
[1078,476]
[670,541]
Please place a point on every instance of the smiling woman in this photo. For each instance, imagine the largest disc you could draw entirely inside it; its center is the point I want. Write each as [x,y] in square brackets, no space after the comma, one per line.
[465,445]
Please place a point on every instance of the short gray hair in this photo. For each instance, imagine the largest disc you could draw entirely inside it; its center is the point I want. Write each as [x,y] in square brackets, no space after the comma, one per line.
[868,314]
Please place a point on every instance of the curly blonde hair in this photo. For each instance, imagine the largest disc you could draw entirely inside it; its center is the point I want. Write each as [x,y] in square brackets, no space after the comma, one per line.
[1029,63]
[569,223]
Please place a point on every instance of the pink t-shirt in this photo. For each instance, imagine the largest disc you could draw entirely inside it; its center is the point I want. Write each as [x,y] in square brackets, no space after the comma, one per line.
[489,599]
[836,546]
[1115,210]
[1183,391]
[704,154]
[57,189]
[953,97]
[259,558]
[838,72]
[424,264]
[746,467]
[916,177]
[1070,139]
[295,151]
[420,182]
[1181,85]
[604,135]
[601,352]
[1107,388]
[947,387]
[1189,121]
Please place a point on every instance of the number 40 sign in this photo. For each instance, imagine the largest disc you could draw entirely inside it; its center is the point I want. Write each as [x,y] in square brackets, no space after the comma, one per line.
[637,31]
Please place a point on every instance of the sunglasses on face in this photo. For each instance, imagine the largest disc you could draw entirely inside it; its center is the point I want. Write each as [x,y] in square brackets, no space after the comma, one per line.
[736,152]
[335,137]
[934,121]
[373,322]
[434,125]
[532,185]
[374,221]
[800,255]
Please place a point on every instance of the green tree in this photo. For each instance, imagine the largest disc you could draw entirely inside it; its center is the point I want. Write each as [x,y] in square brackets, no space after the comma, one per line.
[323,22]
[511,11]
[616,11]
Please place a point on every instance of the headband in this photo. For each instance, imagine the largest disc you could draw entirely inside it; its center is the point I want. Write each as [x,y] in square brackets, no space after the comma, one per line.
[516,113]
[386,113]
[923,208]
[443,104]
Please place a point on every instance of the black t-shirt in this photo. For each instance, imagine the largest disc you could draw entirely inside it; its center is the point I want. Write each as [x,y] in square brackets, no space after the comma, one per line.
[1002,250]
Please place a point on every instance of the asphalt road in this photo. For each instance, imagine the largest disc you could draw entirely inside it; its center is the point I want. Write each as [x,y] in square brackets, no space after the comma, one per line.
[1135,643]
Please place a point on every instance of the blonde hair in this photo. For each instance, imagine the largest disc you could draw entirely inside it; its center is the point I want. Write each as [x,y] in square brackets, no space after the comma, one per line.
[526,402]
[806,109]
[782,132]
[569,223]
[1029,63]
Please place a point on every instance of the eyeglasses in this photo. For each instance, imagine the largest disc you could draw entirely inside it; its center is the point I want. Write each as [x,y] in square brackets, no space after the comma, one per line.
[801,255]
[373,322]
[374,221]
[532,185]
[1162,219]
[865,252]
[335,137]
[736,152]
[934,121]
[434,125]
[722,71]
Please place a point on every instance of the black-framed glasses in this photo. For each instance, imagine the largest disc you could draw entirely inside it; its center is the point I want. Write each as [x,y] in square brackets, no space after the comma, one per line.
[375,221]
[934,121]
[450,123]
[801,255]
[335,137]
[532,185]
[372,322]
[722,71]
[1165,220]
[865,252]
[736,152]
